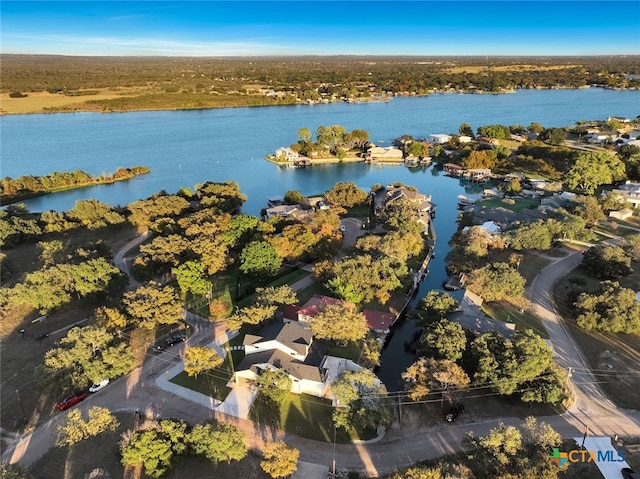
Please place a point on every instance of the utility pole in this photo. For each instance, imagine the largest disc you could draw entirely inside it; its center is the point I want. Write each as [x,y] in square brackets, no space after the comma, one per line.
[333,472]
[399,411]
[586,431]
[24,414]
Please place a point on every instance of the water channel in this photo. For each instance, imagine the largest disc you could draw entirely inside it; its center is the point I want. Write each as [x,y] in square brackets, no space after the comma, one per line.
[184,148]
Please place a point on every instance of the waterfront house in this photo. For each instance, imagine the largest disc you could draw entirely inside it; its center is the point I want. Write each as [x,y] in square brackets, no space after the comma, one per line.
[380,153]
[287,211]
[309,310]
[286,154]
[289,347]
[439,138]
[622,214]
[452,169]
[601,137]
[379,321]
[470,316]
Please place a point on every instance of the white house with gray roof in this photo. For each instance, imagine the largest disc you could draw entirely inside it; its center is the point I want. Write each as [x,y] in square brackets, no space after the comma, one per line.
[289,347]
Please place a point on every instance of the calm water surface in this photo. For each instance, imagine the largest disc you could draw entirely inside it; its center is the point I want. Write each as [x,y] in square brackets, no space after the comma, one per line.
[184,148]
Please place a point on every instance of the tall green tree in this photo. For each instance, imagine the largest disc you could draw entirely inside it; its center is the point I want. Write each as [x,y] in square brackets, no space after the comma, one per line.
[76,429]
[218,442]
[428,373]
[152,305]
[346,194]
[83,357]
[340,322]
[444,340]
[607,261]
[192,277]
[497,281]
[591,170]
[279,459]
[360,398]
[259,258]
[611,309]
[199,359]
[435,306]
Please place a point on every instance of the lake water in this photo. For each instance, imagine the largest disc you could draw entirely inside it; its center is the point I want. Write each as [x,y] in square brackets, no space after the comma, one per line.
[184,148]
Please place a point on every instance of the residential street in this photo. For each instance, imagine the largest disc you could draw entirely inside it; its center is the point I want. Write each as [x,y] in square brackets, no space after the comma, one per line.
[399,447]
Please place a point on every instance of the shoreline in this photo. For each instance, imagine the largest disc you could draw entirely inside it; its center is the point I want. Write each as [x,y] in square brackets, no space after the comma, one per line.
[88,108]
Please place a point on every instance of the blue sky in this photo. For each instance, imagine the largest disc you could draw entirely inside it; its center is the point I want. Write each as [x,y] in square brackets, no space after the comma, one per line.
[205,28]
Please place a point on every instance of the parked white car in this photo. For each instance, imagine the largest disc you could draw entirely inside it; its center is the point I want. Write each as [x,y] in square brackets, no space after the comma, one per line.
[99,386]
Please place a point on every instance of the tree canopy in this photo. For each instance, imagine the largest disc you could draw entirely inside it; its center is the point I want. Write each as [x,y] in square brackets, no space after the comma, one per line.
[340,322]
[360,400]
[199,359]
[610,309]
[607,261]
[152,305]
[591,170]
[279,459]
[346,194]
[497,281]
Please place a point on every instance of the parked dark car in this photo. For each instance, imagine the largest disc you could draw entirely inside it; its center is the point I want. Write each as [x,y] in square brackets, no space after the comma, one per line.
[158,348]
[72,400]
[454,412]
[629,473]
[178,338]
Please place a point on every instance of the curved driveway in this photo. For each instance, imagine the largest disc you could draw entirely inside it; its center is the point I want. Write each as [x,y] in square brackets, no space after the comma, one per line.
[399,447]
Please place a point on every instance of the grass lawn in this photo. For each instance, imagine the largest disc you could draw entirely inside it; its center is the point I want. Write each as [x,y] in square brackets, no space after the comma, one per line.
[519,205]
[289,278]
[213,383]
[351,351]
[531,265]
[305,415]
[359,211]
[523,319]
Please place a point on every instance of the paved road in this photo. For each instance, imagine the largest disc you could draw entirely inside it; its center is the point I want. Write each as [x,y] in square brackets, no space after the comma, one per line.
[400,447]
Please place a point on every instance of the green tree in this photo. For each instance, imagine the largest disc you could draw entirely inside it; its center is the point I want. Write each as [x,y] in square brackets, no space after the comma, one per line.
[94,214]
[274,385]
[152,305]
[360,400]
[167,250]
[435,306]
[76,429]
[370,277]
[279,459]
[155,448]
[293,197]
[534,235]
[611,309]
[346,194]
[426,374]
[417,148]
[304,135]
[191,277]
[499,132]
[340,322]
[607,261]
[555,136]
[591,170]
[330,137]
[219,442]
[259,258]
[497,281]
[465,129]
[505,364]
[500,447]
[242,229]
[85,356]
[536,128]
[112,319]
[479,159]
[199,359]
[444,340]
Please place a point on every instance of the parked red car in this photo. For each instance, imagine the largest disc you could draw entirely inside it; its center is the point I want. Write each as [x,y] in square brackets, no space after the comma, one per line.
[72,400]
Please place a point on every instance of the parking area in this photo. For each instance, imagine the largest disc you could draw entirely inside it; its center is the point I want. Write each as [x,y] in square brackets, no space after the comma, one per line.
[352,230]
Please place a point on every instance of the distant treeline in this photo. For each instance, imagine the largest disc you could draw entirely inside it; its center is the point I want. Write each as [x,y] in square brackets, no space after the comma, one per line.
[310,77]
[28,186]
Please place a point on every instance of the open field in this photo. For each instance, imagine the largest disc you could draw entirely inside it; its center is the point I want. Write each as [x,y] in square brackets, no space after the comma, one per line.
[38,102]
[507,68]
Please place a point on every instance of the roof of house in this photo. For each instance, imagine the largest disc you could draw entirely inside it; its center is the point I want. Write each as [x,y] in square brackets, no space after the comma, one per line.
[378,320]
[316,304]
[281,360]
[291,335]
